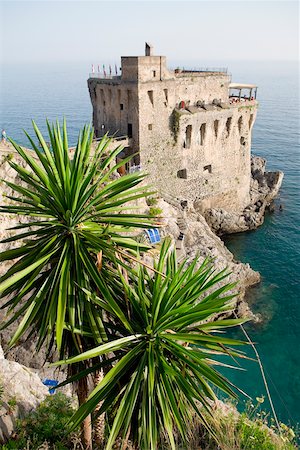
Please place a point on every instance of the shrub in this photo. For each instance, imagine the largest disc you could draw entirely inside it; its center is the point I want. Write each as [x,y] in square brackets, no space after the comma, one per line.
[249,430]
[46,424]
[154,212]
[151,201]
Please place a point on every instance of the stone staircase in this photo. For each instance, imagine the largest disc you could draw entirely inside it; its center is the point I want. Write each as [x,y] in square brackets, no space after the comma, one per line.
[181,221]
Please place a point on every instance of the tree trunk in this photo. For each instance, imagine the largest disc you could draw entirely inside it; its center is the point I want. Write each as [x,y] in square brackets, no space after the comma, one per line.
[99,422]
[86,426]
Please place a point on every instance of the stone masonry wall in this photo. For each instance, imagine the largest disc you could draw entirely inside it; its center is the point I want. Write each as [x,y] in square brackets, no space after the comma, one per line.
[216,161]
[207,160]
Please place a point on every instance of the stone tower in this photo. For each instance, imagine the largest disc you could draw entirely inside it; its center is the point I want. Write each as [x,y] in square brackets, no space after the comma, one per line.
[191,129]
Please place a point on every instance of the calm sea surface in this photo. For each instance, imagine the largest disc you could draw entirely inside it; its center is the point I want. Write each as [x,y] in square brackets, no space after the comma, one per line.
[55,91]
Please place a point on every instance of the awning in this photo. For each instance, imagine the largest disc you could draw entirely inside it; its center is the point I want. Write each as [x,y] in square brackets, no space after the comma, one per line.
[241,86]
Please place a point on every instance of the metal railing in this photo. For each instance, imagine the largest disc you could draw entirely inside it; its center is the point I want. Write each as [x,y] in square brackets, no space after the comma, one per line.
[101,76]
[196,70]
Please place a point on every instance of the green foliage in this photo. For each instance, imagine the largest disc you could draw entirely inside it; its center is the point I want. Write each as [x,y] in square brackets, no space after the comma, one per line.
[152,201]
[46,424]
[249,430]
[164,349]
[154,212]
[12,403]
[9,157]
[175,124]
[77,215]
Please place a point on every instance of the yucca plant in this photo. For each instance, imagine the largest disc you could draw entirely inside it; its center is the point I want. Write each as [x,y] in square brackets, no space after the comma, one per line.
[163,351]
[78,225]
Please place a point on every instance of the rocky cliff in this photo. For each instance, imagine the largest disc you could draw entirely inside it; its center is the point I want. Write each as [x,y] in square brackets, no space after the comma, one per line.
[193,235]
[22,391]
[264,188]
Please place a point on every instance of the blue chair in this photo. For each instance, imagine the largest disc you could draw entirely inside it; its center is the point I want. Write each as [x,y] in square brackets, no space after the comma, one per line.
[52,385]
[153,235]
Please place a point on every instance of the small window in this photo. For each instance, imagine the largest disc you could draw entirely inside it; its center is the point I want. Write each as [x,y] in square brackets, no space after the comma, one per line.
[240,124]
[182,174]
[188,137]
[166,95]
[129,130]
[121,106]
[154,73]
[150,126]
[202,133]
[228,125]
[207,168]
[242,140]
[216,127]
[150,95]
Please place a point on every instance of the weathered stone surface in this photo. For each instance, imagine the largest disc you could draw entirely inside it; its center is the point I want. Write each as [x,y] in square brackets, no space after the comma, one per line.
[23,384]
[23,390]
[264,188]
[200,240]
[176,127]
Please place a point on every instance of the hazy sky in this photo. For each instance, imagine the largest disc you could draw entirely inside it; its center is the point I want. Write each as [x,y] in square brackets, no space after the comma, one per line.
[101,31]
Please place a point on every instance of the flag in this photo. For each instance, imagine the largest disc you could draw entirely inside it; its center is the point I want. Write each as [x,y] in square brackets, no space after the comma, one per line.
[116,69]
[109,69]
[104,70]
[93,68]
[98,68]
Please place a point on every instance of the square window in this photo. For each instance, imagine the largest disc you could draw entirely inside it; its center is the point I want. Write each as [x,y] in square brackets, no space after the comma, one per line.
[207,168]
[150,126]
[182,174]
[129,130]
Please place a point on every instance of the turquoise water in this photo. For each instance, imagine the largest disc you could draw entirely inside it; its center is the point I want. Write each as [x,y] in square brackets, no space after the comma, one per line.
[273,249]
[53,91]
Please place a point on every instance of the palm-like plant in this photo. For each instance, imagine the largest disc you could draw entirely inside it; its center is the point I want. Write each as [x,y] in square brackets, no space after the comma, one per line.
[163,351]
[81,217]
[78,220]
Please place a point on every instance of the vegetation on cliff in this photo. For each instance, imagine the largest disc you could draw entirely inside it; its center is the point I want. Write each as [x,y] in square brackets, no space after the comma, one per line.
[75,230]
[77,280]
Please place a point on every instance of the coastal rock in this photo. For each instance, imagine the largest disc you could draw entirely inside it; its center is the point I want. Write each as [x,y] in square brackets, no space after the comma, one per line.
[23,391]
[264,188]
[200,240]
[191,233]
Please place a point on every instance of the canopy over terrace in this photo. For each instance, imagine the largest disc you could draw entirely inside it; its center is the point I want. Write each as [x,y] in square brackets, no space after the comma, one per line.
[242,87]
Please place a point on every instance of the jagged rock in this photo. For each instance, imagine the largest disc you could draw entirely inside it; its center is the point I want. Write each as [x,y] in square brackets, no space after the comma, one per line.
[264,188]
[23,391]
[200,240]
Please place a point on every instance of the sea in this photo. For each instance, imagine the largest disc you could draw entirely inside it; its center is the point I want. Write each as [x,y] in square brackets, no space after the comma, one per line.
[54,91]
